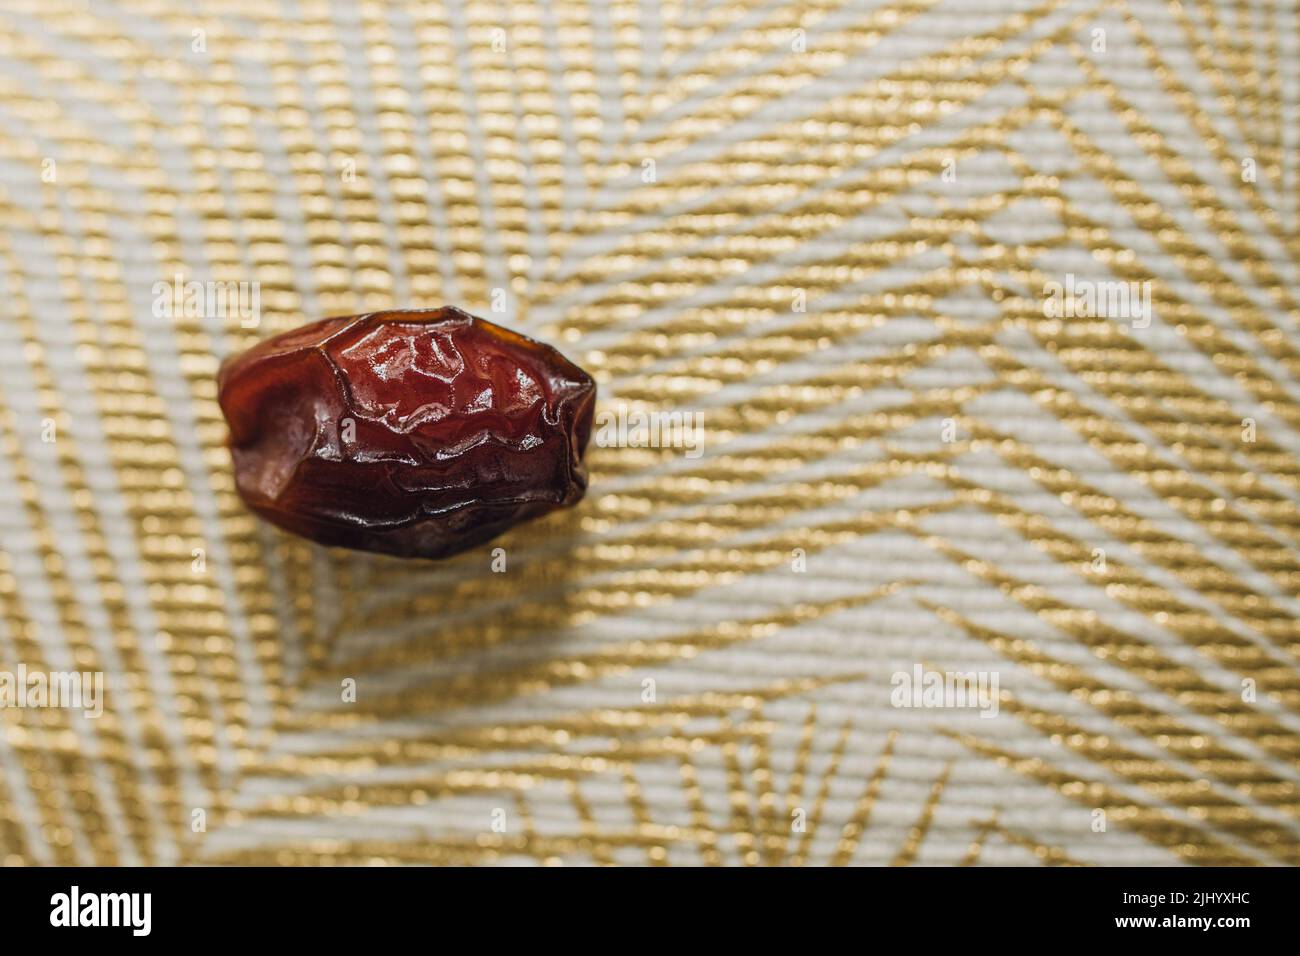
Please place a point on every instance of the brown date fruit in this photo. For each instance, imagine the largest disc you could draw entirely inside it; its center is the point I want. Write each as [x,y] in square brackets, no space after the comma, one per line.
[416,433]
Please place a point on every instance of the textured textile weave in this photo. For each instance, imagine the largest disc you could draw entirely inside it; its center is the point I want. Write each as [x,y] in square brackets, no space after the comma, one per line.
[840,231]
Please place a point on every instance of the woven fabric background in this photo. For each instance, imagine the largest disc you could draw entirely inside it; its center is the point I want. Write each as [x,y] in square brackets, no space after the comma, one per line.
[830,227]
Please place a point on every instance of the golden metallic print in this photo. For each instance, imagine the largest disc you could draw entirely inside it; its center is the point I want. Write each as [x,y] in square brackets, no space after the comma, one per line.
[651,186]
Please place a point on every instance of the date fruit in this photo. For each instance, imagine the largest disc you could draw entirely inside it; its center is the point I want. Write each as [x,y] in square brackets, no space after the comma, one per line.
[416,433]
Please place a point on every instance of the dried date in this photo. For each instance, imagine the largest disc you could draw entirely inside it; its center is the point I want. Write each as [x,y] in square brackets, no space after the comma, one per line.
[417,433]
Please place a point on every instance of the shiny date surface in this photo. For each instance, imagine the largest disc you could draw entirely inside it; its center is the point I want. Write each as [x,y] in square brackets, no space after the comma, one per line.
[416,433]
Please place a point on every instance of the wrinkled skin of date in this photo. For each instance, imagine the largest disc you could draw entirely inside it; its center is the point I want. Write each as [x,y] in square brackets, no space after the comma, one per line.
[415,433]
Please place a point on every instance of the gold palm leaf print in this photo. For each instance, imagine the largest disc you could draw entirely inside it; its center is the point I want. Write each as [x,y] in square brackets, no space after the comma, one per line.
[835,231]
